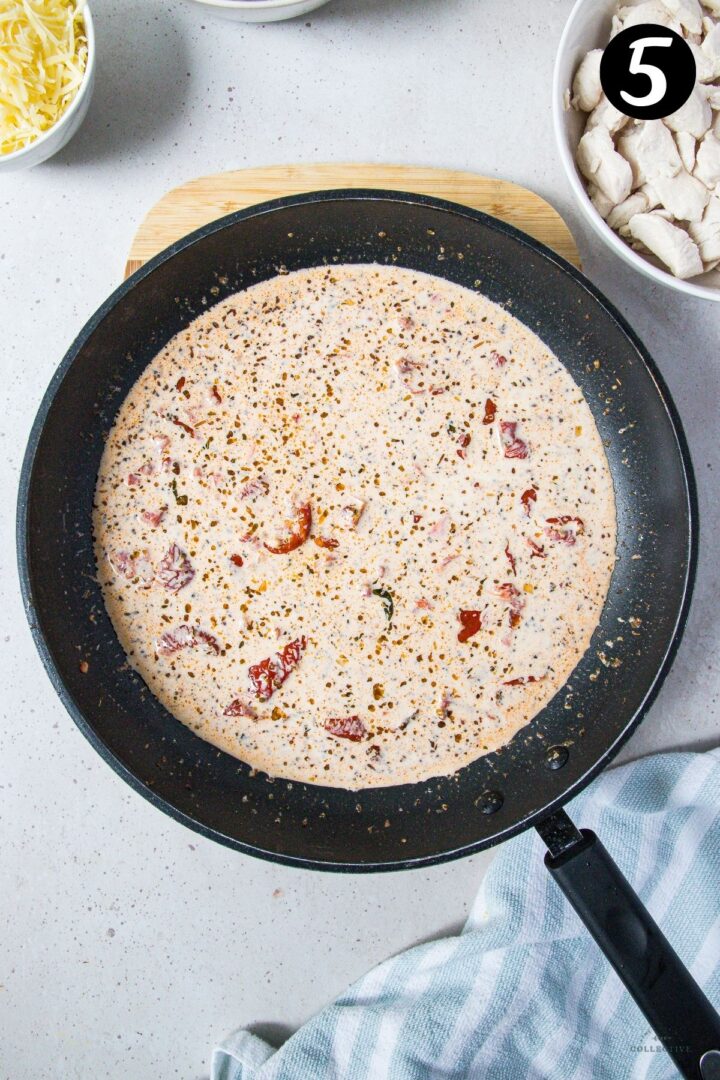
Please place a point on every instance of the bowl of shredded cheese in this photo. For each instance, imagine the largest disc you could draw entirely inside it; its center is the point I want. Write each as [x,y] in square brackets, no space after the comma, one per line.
[47,68]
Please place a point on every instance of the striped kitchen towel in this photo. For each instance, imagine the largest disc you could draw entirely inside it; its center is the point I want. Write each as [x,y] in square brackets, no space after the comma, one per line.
[523,993]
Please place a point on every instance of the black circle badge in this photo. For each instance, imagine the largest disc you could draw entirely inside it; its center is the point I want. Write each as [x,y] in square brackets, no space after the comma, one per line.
[647,71]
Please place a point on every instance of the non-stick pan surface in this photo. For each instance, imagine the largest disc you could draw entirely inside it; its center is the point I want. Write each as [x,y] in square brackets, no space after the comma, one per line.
[409,825]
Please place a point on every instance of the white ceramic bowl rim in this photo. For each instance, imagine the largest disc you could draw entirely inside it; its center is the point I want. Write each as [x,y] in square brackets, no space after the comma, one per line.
[74,104]
[706,292]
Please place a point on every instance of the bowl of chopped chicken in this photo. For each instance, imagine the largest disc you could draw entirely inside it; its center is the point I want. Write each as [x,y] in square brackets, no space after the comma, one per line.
[649,188]
[47,69]
[260,11]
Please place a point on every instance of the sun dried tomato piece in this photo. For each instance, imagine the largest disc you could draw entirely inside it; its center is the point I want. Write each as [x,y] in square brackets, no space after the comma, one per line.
[181,424]
[122,563]
[346,727]
[215,395]
[511,559]
[268,675]
[144,570]
[522,680]
[328,542]
[154,517]
[498,359]
[561,533]
[471,622]
[262,676]
[513,446]
[351,513]
[238,707]
[202,637]
[440,529]
[407,370]
[463,443]
[237,560]
[146,470]
[405,365]
[175,570]
[133,567]
[291,653]
[527,499]
[513,599]
[161,443]
[446,560]
[253,488]
[186,637]
[490,411]
[298,531]
[536,550]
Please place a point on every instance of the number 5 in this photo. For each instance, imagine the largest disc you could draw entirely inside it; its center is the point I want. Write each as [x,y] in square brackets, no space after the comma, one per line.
[658,82]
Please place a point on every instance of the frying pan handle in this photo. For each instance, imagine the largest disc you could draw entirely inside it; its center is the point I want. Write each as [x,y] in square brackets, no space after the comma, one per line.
[673,1003]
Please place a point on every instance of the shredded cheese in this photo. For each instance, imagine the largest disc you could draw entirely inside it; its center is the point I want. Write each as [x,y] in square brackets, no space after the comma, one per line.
[43,55]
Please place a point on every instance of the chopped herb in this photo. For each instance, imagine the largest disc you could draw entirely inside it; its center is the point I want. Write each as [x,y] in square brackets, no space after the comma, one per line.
[181,500]
[388,604]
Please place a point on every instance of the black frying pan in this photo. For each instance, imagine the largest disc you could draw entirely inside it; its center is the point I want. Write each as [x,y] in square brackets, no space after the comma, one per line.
[574,737]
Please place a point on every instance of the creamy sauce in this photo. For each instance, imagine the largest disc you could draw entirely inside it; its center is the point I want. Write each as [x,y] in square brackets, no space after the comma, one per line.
[355,526]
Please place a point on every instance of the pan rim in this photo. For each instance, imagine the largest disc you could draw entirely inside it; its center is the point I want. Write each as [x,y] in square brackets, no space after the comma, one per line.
[23,540]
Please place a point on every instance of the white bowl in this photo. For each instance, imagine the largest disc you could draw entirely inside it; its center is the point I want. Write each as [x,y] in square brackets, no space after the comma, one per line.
[589,28]
[259,11]
[60,133]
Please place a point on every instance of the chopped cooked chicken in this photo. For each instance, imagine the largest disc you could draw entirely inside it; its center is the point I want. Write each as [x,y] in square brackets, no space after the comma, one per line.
[683,196]
[619,215]
[650,11]
[600,201]
[651,151]
[651,195]
[694,116]
[600,163]
[686,144]
[712,96]
[606,115]
[706,233]
[669,243]
[587,89]
[687,12]
[706,66]
[711,47]
[707,167]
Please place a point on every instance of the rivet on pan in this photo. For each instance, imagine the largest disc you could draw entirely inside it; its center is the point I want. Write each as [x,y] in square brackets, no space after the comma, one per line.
[489,802]
[556,757]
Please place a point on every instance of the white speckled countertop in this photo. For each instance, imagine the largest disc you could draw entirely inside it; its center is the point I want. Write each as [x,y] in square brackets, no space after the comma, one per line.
[129,944]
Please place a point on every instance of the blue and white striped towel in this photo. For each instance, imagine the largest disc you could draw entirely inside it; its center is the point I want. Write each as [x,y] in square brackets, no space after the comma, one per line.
[523,993]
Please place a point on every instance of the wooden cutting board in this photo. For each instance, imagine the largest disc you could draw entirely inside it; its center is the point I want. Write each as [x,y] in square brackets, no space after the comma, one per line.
[197,202]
